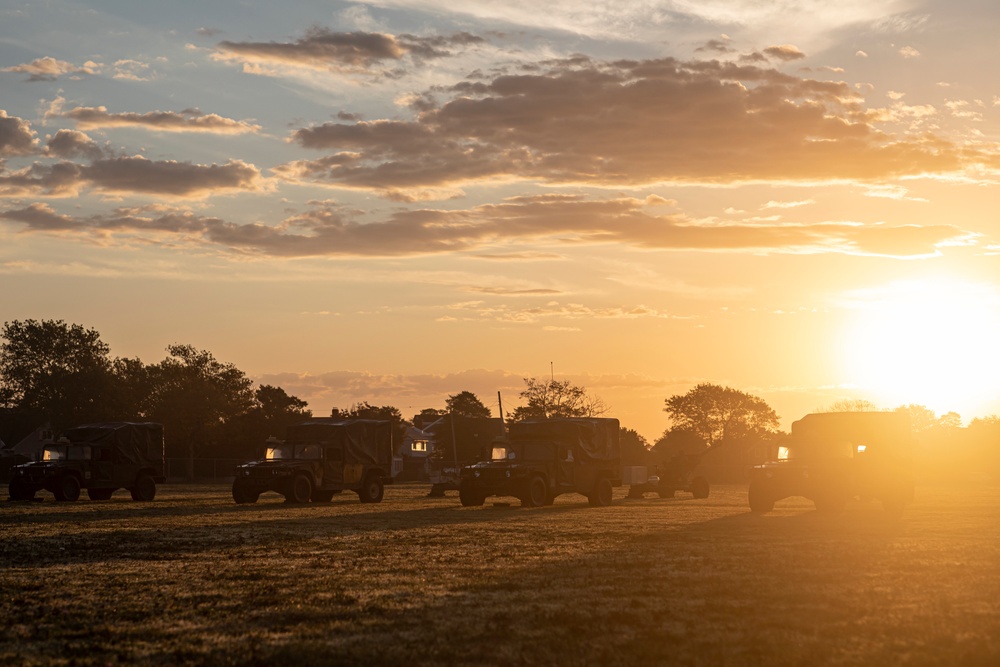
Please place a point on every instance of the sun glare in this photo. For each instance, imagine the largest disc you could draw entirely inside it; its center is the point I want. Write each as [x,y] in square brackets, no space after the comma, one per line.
[932,343]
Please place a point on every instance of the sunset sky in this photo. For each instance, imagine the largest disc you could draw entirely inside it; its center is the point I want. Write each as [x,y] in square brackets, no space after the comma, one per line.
[396,201]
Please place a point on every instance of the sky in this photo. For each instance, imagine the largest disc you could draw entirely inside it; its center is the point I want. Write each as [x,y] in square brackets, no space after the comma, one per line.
[397,201]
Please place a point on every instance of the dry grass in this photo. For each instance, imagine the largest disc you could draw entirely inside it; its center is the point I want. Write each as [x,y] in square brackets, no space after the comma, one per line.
[195,579]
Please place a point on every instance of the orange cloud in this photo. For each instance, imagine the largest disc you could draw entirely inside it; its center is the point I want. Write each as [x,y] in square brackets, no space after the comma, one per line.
[628,122]
[189,120]
[328,231]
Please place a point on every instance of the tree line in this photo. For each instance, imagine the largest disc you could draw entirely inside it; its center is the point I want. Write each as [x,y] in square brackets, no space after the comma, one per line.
[61,375]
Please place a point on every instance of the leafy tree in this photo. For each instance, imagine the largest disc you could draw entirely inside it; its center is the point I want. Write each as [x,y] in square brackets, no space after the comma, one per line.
[634,448]
[677,441]
[55,372]
[193,396]
[273,411]
[852,405]
[467,404]
[921,418]
[715,414]
[556,398]
[365,410]
[427,416]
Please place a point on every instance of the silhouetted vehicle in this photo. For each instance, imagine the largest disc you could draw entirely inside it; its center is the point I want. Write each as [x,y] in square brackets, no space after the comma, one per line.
[832,457]
[677,474]
[541,459]
[457,442]
[320,458]
[100,458]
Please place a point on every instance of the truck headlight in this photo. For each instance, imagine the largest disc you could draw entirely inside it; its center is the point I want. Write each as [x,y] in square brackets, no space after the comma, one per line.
[475,474]
[508,473]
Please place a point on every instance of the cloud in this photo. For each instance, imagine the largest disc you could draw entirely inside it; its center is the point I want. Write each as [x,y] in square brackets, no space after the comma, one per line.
[127,175]
[132,70]
[16,136]
[68,144]
[344,52]
[50,69]
[623,123]
[909,52]
[785,52]
[787,204]
[189,120]
[329,231]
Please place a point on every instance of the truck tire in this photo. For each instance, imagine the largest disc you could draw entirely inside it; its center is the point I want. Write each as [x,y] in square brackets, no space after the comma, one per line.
[536,493]
[470,497]
[761,498]
[437,491]
[699,487]
[300,490]
[67,489]
[18,490]
[372,489]
[100,494]
[144,490]
[244,496]
[601,495]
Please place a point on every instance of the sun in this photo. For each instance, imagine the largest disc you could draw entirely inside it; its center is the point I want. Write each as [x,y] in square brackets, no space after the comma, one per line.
[930,342]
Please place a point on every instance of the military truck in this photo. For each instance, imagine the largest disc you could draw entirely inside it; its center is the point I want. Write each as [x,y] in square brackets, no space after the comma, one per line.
[832,457]
[319,458]
[541,459]
[457,441]
[100,458]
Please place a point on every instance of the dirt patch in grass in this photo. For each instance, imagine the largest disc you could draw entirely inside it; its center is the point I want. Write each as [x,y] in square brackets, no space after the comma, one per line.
[193,578]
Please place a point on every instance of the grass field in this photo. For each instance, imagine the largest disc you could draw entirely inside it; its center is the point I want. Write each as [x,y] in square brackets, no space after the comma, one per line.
[193,578]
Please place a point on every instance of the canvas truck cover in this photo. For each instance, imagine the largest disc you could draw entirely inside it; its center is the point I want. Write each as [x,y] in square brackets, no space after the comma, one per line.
[471,433]
[367,441]
[888,430]
[594,438]
[136,442]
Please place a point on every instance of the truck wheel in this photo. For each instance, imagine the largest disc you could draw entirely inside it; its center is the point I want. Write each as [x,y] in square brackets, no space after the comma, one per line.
[470,497]
[601,495]
[760,497]
[67,489]
[144,490]
[437,491]
[100,494]
[18,490]
[301,490]
[536,493]
[372,489]
[699,487]
[322,496]
[244,496]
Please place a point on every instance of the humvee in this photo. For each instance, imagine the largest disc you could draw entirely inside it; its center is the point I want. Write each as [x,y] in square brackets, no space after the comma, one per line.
[541,459]
[100,458]
[832,457]
[319,458]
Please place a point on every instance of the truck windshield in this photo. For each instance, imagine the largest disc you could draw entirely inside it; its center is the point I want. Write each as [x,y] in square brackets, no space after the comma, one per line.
[280,452]
[66,453]
[499,454]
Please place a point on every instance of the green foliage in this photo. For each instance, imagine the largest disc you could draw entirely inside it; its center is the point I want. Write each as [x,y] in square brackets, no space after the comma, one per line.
[715,414]
[365,410]
[634,448]
[556,398]
[467,404]
[55,372]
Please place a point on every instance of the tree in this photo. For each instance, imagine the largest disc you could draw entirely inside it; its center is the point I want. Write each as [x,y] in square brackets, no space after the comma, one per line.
[467,404]
[194,395]
[852,405]
[715,414]
[921,418]
[365,410]
[556,398]
[55,372]
[634,448]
